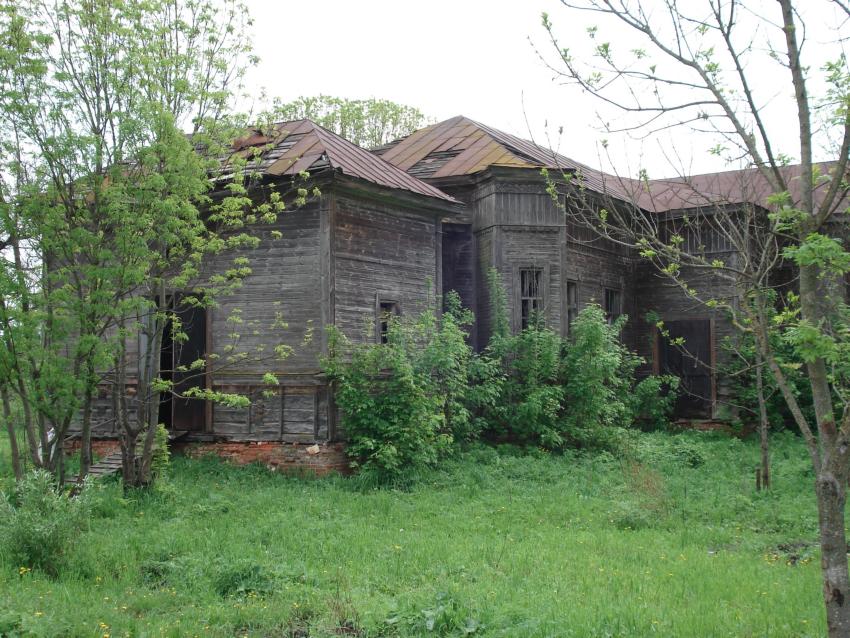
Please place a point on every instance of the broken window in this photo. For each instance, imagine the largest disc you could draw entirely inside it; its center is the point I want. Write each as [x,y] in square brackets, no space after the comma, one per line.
[387,309]
[613,305]
[531,296]
[572,303]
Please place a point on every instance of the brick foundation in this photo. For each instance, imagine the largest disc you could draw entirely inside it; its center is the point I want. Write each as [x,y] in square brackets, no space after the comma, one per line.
[716,426]
[319,460]
[99,447]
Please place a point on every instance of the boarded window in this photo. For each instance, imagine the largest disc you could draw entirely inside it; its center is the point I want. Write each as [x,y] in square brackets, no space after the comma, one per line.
[386,311]
[613,304]
[531,295]
[572,302]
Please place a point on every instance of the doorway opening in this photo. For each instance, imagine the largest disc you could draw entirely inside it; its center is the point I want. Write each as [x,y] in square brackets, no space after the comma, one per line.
[686,352]
[176,359]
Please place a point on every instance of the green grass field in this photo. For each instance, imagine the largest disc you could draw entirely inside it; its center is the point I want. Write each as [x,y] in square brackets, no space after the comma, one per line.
[675,543]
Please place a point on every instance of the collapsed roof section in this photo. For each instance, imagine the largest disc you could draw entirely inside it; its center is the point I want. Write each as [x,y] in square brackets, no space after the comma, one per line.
[302,145]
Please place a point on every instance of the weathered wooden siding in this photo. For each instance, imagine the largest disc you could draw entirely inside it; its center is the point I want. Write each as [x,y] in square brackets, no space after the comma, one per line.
[381,251]
[282,289]
[532,247]
[297,411]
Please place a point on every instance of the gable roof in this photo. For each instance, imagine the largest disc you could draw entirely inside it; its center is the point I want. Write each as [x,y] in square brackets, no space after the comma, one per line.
[461,146]
[303,145]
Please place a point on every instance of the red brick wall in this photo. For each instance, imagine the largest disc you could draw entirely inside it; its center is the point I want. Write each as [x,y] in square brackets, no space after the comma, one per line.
[320,460]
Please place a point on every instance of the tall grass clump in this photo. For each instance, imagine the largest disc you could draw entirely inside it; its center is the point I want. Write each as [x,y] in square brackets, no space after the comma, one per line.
[39,525]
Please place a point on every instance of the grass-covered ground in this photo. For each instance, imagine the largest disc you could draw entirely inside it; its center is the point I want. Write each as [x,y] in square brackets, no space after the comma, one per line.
[675,542]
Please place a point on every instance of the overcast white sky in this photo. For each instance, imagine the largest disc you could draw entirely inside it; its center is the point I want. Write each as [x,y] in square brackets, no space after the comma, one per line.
[469,57]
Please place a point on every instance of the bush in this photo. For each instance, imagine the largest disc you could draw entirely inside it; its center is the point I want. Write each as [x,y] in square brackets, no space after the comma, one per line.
[404,402]
[740,376]
[579,392]
[653,400]
[40,525]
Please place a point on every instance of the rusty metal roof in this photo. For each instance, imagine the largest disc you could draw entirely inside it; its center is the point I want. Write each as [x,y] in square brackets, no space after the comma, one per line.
[303,145]
[725,188]
[461,146]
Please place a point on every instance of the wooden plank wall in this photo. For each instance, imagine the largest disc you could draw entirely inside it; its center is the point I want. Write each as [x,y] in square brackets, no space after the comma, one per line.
[285,284]
[381,250]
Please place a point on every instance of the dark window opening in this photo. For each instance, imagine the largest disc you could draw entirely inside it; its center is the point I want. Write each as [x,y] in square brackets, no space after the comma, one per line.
[613,305]
[531,296]
[572,303]
[386,311]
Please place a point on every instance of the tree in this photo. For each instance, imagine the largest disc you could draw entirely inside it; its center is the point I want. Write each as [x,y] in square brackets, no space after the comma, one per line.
[699,66]
[368,123]
[110,209]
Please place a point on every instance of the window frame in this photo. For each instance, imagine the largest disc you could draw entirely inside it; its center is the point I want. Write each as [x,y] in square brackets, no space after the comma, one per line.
[571,309]
[381,300]
[543,293]
[611,316]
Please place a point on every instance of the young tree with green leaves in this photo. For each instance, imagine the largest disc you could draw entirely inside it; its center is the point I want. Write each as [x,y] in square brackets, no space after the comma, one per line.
[368,123]
[702,66]
[123,184]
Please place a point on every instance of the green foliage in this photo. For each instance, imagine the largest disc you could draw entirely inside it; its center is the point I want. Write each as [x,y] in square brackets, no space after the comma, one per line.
[393,426]
[569,393]
[108,208]
[739,373]
[243,578]
[368,123]
[652,400]
[161,455]
[40,525]
[495,538]
[407,401]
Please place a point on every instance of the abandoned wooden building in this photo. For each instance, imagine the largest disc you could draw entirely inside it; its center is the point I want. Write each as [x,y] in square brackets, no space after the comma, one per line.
[394,229]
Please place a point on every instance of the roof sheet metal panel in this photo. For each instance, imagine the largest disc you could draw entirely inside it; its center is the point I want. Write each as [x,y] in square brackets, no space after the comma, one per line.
[303,145]
[465,134]
[412,152]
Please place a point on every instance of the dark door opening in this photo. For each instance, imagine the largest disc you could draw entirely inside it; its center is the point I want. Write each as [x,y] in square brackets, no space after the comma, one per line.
[690,361]
[189,414]
[176,359]
[166,373]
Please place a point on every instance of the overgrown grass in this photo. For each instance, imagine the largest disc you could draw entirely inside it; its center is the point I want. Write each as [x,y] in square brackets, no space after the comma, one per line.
[674,542]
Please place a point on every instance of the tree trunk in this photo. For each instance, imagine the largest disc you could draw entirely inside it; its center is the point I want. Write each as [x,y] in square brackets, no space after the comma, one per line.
[85,435]
[764,424]
[817,303]
[13,438]
[836,582]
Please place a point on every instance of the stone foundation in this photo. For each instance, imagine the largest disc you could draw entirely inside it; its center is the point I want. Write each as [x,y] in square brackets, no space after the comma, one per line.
[319,460]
